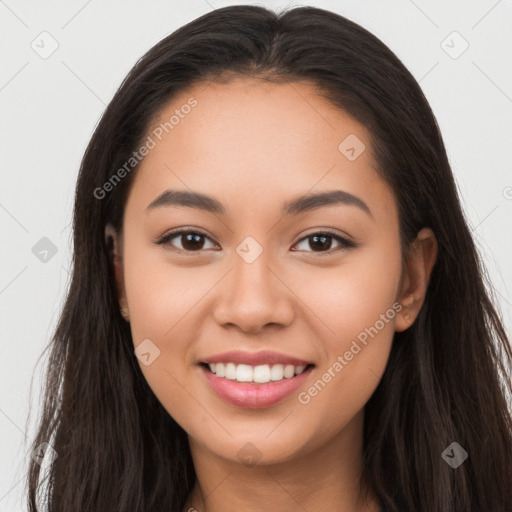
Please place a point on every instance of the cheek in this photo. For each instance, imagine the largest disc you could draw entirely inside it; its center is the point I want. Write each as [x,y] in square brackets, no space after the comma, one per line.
[160,295]
[354,295]
[358,305]
[161,300]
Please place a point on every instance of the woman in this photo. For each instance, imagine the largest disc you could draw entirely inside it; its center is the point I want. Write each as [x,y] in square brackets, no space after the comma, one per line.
[276,302]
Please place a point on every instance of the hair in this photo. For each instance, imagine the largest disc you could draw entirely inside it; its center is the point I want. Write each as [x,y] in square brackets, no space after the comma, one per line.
[447,377]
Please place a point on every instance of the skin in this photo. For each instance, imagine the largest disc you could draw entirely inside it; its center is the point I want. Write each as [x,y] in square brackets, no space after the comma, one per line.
[254,145]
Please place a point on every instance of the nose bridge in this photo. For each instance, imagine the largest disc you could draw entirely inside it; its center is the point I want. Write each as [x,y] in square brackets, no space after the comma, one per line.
[254,296]
[252,267]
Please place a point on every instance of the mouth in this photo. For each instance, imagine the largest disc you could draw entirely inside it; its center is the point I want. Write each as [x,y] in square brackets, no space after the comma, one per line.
[255,387]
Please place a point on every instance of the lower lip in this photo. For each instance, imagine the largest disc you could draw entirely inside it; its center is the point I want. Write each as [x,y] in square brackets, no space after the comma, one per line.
[253,395]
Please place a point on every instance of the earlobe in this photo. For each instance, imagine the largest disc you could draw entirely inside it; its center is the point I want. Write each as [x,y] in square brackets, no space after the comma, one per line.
[420,262]
[113,243]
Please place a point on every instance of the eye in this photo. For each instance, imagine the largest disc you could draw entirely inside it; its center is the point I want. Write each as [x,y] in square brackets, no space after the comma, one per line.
[192,241]
[323,240]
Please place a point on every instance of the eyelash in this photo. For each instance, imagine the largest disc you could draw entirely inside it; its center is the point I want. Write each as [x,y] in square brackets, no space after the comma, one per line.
[345,244]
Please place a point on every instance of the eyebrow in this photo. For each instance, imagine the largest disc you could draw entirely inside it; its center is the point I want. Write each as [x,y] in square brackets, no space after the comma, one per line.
[295,207]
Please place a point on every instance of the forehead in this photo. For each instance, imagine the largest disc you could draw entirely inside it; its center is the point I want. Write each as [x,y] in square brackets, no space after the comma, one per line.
[250,141]
[256,116]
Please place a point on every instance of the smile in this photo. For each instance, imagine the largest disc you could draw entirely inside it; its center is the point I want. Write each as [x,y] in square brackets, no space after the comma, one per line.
[260,374]
[254,379]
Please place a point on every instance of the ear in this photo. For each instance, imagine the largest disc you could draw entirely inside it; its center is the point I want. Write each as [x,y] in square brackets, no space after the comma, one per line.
[113,240]
[421,258]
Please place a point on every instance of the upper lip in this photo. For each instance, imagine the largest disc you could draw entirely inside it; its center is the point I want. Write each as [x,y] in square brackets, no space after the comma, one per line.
[255,358]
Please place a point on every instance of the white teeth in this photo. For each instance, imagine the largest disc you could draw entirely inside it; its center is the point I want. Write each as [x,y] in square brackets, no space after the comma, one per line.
[220,370]
[276,373]
[262,373]
[230,371]
[299,370]
[259,374]
[244,373]
[289,371]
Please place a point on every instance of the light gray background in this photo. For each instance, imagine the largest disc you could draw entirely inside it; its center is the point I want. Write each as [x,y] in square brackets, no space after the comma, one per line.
[50,107]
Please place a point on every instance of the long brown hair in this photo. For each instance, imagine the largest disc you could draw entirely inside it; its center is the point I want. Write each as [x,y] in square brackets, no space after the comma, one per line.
[448,375]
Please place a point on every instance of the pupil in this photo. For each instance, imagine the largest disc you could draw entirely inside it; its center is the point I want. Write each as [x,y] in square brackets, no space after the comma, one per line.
[188,244]
[324,245]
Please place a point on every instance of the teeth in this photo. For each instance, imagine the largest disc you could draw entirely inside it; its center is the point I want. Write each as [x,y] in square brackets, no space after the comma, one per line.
[276,373]
[218,369]
[260,374]
[230,371]
[289,371]
[244,373]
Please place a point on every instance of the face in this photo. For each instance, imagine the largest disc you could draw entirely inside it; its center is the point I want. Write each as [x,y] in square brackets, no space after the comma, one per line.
[237,278]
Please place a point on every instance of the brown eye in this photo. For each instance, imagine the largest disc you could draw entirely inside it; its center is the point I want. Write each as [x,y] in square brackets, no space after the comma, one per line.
[194,241]
[322,242]
[191,241]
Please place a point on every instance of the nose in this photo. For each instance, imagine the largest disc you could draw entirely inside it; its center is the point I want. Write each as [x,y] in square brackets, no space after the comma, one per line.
[254,296]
